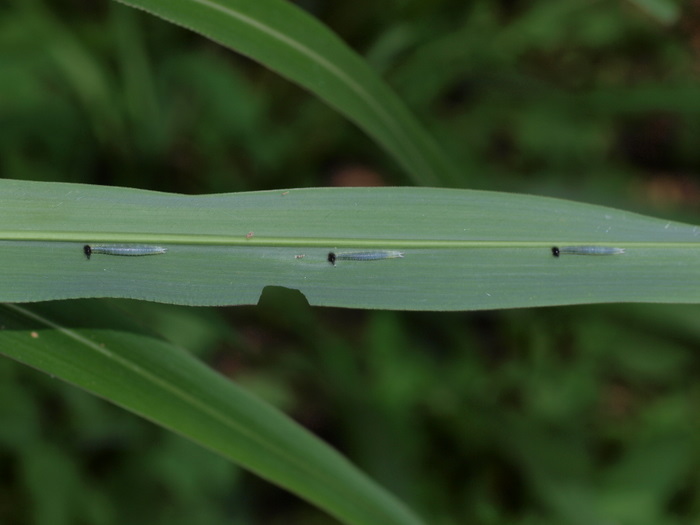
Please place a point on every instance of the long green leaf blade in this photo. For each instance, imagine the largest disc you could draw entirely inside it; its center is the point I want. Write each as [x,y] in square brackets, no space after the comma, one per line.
[287,40]
[462,249]
[168,386]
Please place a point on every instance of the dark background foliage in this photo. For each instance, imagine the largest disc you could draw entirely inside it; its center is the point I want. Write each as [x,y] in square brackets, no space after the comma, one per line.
[581,415]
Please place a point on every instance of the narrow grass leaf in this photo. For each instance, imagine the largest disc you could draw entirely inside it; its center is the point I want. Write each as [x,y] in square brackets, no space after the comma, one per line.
[284,38]
[459,249]
[168,386]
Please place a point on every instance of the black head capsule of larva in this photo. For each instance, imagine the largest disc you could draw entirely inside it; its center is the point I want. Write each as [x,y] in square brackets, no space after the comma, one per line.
[87,251]
[555,251]
[331,258]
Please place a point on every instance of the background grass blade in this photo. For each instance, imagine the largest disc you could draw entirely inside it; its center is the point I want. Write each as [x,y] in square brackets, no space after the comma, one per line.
[463,249]
[292,43]
[168,386]
[665,11]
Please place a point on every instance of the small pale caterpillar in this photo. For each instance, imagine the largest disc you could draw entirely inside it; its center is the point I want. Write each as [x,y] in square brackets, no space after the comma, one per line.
[586,250]
[363,256]
[122,249]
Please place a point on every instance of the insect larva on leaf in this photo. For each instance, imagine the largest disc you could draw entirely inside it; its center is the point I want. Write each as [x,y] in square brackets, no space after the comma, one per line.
[363,256]
[586,250]
[132,250]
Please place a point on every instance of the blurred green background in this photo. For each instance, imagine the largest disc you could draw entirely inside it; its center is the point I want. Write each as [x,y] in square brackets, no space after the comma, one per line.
[576,415]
